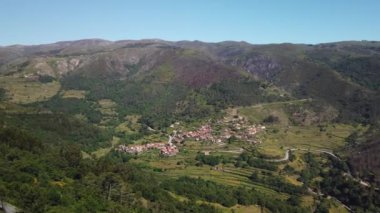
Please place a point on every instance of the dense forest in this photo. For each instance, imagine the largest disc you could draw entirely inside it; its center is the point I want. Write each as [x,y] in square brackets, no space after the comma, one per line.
[43,178]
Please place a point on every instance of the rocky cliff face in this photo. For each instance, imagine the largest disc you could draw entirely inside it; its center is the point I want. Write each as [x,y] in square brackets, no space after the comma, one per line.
[262,66]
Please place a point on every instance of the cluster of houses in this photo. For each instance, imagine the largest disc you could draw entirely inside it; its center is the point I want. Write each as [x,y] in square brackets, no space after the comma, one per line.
[240,128]
[204,133]
[169,150]
[166,149]
[237,127]
[226,128]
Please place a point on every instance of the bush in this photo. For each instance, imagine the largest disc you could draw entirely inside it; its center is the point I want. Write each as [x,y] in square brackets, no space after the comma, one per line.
[46,79]
[2,94]
[271,119]
[211,160]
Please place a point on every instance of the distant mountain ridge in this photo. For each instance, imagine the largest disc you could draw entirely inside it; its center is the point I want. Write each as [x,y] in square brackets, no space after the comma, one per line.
[343,74]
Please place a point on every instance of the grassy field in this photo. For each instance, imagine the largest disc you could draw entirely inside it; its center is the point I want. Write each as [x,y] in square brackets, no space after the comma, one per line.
[235,209]
[103,151]
[284,134]
[293,180]
[123,128]
[307,201]
[245,209]
[107,108]
[258,113]
[10,108]
[297,164]
[337,207]
[276,138]
[183,165]
[22,90]
[85,155]
[274,141]
[80,94]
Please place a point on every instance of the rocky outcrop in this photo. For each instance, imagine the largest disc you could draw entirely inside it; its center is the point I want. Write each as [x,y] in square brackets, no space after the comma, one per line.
[262,66]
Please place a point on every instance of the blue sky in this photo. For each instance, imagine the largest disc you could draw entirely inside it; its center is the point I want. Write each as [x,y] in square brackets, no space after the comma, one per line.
[254,21]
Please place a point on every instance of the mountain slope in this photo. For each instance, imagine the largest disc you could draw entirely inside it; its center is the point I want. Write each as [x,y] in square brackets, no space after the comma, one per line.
[344,75]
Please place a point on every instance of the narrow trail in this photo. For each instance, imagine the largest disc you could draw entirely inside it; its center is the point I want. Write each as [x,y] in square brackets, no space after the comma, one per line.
[238,151]
[282,102]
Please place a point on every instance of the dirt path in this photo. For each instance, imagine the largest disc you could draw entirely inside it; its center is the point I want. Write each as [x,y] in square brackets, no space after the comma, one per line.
[282,102]
[238,151]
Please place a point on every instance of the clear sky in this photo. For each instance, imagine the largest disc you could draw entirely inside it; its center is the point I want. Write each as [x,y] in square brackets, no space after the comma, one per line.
[254,21]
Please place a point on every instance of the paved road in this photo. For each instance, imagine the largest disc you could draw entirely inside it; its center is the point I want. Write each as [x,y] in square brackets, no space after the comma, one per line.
[286,158]
[321,151]
[287,153]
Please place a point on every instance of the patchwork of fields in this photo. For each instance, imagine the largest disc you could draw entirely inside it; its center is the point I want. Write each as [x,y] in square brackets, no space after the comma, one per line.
[273,142]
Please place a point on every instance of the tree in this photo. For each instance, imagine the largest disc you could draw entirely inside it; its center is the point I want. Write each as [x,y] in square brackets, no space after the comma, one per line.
[352,139]
[2,94]
[271,119]
[294,200]
[323,207]
[72,154]
[254,176]
[111,186]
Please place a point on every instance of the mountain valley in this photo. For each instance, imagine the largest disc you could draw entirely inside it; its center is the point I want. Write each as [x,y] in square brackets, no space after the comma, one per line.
[158,126]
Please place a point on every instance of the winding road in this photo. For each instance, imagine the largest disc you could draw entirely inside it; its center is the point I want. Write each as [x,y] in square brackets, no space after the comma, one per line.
[285,158]
[287,154]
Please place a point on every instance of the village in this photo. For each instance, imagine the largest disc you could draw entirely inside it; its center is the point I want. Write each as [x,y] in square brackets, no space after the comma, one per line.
[167,149]
[219,133]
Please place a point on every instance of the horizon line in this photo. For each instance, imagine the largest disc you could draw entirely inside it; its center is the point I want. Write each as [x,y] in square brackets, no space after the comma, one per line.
[184,40]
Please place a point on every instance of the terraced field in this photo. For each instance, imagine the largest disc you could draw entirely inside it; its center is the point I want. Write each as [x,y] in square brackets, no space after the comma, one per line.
[283,133]
[103,151]
[258,113]
[229,176]
[278,138]
[235,209]
[274,141]
[21,90]
[80,94]
[182,165]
